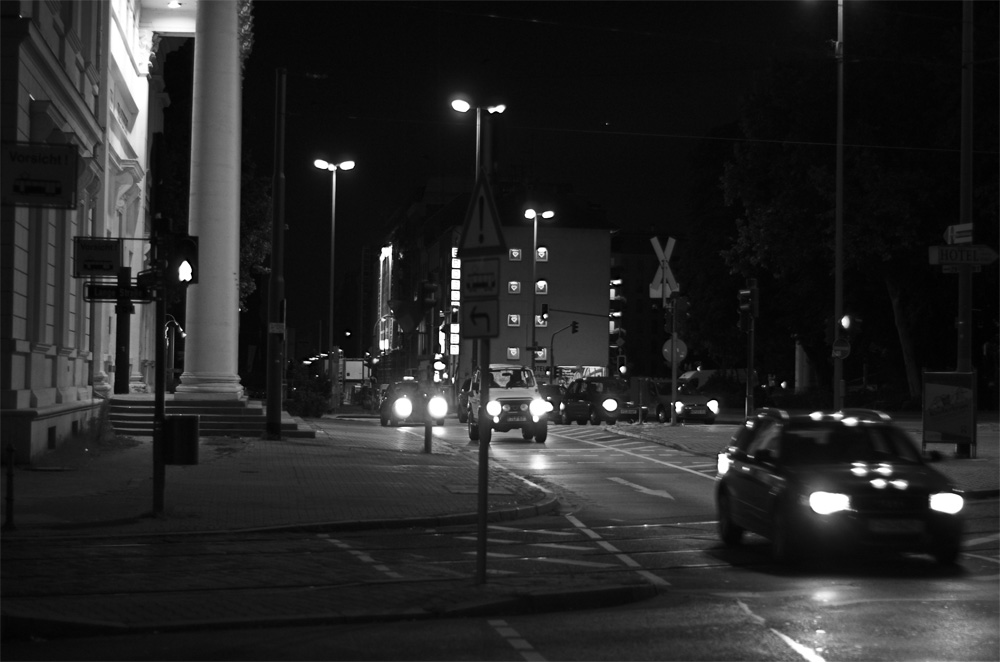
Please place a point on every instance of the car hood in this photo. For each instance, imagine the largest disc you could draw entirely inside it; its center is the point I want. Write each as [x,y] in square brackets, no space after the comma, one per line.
[872,478]
[516,393]
[696,398]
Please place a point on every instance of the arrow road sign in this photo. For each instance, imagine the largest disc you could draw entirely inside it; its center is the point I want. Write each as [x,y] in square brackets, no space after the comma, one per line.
[970,254]
[959,234]
[480,319]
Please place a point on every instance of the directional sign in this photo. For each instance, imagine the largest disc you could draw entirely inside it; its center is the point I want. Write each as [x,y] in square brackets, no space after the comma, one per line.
[110,292]
[663,272]
[480,319]
[970,254]
[481,234]
[958,234]
[97,257]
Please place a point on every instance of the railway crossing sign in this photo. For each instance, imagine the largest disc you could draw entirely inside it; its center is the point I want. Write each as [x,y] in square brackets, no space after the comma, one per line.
[664,277]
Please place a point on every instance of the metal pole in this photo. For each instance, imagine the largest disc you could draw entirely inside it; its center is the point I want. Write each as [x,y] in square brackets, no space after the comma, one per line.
[485,432]
[276,284]
[331,373]
[838,267]
[534,279]
[159,381]
[964,323]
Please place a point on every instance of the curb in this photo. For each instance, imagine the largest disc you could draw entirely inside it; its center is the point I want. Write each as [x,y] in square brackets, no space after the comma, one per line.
[15,627]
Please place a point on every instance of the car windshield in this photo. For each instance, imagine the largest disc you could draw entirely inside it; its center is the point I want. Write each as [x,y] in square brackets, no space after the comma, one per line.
[611,386]
[511,378]
[406,388]
[844,445]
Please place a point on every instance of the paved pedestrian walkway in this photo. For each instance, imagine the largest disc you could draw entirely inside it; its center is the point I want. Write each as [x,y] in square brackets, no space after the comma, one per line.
[335,482]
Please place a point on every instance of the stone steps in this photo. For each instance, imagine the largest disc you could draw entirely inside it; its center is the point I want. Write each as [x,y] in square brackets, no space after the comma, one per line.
[133,415]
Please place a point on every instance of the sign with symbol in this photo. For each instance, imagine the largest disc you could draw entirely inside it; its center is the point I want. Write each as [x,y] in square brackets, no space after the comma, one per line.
[481,234]
[676,348]
[841,348]
[97,257]
[513,319]
[970,254]
[664,277]
[514,287]
[480,319]
[514,255]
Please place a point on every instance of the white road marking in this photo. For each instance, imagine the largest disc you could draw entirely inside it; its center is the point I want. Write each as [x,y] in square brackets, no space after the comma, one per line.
[517,642]
[806,653]
[624,558]
[644,490]
[648,459]
[363,557]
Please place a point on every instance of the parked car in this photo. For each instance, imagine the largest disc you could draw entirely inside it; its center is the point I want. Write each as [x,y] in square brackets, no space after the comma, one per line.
[553,394]
[462,405]
[824,481]
[514,402]
[409,401]
[597,399]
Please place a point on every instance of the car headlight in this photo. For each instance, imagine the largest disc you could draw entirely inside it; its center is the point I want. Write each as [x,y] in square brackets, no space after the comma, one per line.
[437,407]
[723,463]
[539,407]
[493,408]
[947,502]
[679,407]
[825,503]
[713,406]
[610,405]
[402,407]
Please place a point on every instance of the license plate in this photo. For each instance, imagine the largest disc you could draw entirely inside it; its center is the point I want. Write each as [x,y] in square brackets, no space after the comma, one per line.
[699,410]
[895,526]
[516,418]
[627,411]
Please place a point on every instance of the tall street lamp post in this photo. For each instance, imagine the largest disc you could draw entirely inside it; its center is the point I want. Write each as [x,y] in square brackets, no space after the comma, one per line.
[463,106]
[838,266]
[532,320]
[333,354]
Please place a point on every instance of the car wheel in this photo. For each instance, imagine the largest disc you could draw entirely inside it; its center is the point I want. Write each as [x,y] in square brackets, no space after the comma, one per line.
[439,421]
[542,433]
[594,419]
[784,548]
[729,532]
[661,415]
[462,416]
[473,429]
[527,433]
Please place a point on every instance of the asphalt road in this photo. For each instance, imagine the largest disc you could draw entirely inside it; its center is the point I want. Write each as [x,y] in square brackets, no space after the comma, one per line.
[630,508]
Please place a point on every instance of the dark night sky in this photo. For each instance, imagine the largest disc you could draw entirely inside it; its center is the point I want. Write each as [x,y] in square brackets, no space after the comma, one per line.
[610,97]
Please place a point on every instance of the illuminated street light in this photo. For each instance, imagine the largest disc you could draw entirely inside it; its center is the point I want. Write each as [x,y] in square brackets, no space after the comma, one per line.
[332,168]
[533,215]
[463,106]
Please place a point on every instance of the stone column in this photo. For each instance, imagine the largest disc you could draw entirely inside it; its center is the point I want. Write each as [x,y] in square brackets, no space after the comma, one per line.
[211,354]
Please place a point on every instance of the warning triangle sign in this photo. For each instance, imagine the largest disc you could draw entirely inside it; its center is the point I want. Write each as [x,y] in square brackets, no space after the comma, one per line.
[481,234]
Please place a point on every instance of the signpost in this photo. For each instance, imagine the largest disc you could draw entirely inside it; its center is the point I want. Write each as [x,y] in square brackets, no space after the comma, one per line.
[97,257]
[972,254]
[664,286]
[479,249]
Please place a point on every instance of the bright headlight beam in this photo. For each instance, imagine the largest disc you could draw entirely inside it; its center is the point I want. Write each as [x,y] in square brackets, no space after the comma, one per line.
[826,503]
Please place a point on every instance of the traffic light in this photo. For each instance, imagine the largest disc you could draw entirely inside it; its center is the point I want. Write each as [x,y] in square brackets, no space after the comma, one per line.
[545,311]
[749,307]
[575,326]
[182,259]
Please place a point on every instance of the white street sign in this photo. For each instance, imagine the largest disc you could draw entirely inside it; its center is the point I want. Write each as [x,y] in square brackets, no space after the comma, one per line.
[663,272]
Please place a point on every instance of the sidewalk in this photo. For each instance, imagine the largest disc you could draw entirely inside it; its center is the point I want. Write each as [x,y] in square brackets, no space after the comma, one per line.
[324,484]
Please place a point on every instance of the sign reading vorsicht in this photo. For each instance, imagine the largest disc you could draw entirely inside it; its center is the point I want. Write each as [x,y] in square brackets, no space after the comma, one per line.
[38,175]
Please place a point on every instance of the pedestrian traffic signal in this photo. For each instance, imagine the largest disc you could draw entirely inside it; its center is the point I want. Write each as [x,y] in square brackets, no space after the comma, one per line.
[575,326]
[429,292]
[182,259]
[545,311]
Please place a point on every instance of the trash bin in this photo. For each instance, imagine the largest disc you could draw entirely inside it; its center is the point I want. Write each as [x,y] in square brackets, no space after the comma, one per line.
[180,439]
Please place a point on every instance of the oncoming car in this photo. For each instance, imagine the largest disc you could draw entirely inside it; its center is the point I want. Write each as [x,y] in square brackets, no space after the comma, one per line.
[514,403]
[848,480]
[409,401]
[691,404]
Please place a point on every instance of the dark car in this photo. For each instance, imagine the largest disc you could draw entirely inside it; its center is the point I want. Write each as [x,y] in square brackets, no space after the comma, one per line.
[693,404]
[408,402]
[462,404]
[597,399]
[847,480]
[553,394]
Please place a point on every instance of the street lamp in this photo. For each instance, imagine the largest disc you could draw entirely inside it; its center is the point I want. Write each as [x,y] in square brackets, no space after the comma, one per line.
[463,106]
[838,260]
[332,168]
[533,215]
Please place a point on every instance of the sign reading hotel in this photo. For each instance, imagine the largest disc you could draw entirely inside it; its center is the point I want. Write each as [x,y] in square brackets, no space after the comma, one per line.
[38,175]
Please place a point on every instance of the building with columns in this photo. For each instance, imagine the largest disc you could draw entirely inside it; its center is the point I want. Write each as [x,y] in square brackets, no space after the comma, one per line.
[75,80]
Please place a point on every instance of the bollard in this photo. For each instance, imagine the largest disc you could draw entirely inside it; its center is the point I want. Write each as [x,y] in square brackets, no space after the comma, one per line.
[427,435]
[8,524]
